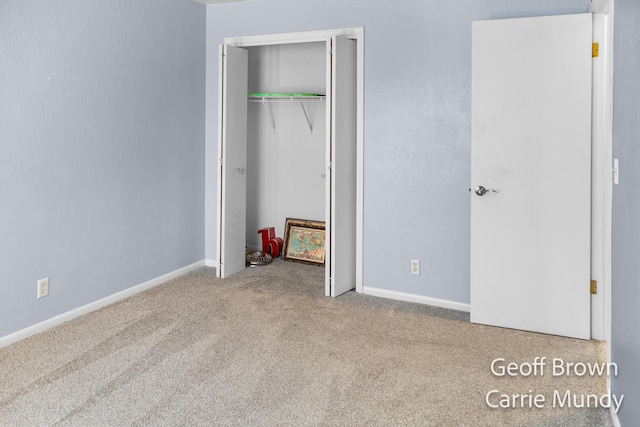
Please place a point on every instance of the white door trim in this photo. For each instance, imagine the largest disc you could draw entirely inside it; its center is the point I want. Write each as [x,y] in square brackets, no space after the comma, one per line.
[299,37]
[602,142]
[603,33]
[356,33]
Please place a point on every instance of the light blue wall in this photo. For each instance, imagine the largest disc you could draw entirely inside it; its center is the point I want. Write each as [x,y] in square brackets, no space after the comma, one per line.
[626,210]
[417,124]
[101,149]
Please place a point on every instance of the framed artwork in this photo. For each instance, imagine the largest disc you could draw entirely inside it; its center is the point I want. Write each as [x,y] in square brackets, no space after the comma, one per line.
[304,241]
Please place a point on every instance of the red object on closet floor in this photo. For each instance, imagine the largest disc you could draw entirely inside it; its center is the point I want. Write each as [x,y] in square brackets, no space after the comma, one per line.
[271,244]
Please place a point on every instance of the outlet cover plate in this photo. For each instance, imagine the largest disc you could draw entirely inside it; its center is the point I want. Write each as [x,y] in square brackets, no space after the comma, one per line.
[43,287]
[415,266]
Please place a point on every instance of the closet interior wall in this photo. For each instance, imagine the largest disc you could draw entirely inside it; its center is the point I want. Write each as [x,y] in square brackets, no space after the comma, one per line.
[286,160]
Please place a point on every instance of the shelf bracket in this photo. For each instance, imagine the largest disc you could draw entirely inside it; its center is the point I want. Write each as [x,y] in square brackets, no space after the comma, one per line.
[306,115]
[304,100]
[267,108]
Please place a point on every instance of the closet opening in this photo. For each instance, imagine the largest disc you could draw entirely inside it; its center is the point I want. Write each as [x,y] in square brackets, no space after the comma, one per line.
[290,146]
[286,137]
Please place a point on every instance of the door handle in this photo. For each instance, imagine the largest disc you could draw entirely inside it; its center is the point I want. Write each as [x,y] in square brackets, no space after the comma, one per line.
[480,190]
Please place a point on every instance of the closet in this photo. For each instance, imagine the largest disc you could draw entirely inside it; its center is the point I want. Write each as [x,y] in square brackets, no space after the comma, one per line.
[290,144]
[286,136]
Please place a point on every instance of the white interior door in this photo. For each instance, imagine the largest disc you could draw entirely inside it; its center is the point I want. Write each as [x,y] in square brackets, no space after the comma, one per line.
[531,143]
[232,154]
[341,154]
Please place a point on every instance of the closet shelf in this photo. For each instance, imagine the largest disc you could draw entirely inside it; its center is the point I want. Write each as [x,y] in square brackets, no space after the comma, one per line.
[285,97]
[303,98]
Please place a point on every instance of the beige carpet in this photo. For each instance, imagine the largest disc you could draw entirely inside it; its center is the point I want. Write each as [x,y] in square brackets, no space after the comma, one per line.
[266,348]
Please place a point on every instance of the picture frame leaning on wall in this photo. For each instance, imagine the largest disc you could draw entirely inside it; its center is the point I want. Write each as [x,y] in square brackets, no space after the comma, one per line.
[304,241]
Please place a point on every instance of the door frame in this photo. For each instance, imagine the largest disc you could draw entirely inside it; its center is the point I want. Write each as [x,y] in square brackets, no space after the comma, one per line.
[602,182]
[357,34]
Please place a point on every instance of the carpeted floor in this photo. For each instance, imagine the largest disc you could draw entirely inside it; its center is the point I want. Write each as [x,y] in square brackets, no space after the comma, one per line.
[266,348]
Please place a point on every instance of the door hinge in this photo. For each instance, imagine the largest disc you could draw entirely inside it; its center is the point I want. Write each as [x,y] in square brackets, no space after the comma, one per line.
[594,50]
[594,287]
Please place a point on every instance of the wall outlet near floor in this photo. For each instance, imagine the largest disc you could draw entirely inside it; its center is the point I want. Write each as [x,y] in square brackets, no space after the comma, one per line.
[43,287]
[415,266]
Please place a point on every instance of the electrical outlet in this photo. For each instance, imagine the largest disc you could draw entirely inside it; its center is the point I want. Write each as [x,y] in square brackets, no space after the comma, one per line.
[43,287]
[415,266]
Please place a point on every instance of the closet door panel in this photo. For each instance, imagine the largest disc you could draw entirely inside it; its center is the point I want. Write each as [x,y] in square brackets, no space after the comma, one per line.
[342,166]
[232,152]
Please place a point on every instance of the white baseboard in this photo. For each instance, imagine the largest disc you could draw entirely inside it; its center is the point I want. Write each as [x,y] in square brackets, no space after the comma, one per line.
[80,311]
[614,417]
[211,263]
[384,293]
